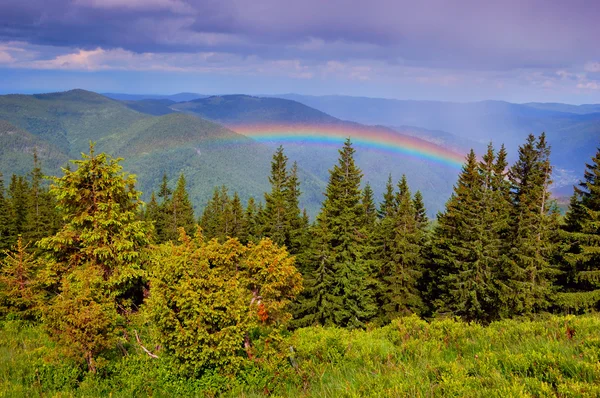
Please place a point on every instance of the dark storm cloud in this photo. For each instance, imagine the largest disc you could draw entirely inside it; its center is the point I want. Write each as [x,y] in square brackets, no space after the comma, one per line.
[450,34]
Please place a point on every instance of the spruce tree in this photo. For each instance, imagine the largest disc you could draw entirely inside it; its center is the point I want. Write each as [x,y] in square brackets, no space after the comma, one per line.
[250,217]
[369,212]
[388,205]
[180,212]
[18,195]
[420,211]
[94,263]
[218,218]
[42,217]
[337,291]
[466,246]
[580,279]
[5,221]
[402,261]
[296,228]
[161,222]
[21,294]
[274,218]
[152,210]
[210,216]
[238,220]
[529,272]
[225,215]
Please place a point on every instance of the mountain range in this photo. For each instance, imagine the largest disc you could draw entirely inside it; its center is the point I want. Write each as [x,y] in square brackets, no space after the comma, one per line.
[207,139]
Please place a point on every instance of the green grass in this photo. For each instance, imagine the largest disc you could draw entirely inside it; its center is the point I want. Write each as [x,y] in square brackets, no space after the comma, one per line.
[550,356]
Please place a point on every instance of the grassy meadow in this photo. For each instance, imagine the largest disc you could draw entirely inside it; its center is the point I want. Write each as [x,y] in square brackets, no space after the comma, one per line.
[546,357]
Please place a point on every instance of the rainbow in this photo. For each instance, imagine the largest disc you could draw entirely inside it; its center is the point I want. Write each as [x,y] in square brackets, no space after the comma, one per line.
[372,137]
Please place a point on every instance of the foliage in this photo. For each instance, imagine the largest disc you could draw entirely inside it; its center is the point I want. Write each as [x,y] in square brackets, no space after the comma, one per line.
[20,292]
[533,223]
[207,300]
[580,280]
[93,265]
[337,290]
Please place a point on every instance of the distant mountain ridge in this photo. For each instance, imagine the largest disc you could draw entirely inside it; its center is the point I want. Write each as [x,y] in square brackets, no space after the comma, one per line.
[573,131]
[197,137]
[179,97]
[284,117]
[159,135]
[61,125]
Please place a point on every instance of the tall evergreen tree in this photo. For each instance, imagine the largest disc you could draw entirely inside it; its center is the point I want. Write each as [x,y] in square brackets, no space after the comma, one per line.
[94,263]
[21,294]
[296,233]
[369,212]
[161,222]
[388,205]
[420,211]
[528,269]
[337,291]
[238,219]
[274,218]
[42,217]
[467,246]
[251,215]
[18,195]
[580,281]
[401,263]
[222,218]
[5,221]
[180,212]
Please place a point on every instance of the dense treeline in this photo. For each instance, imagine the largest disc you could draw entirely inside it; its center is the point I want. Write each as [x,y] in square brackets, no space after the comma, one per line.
[218,291]
[500,248]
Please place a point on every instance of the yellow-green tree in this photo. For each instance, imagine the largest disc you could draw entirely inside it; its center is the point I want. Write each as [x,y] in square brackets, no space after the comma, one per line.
[20,292]
[93,267]
[208,298]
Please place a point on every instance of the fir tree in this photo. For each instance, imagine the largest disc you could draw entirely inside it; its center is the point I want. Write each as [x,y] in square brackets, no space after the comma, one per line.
[238,221]
[218,218]
[21,293]
[420,211]
[337,292]
[528,270]
[161,222]
[580,281]
[225,215]
[42,217]
[94,262]
[388,205]
[5,221]
[211,214]
[466,246]
[369,212]
[250,217]
[401,265]
[151,213]
[18,194]
[296,228]
[274,218]
[180,212]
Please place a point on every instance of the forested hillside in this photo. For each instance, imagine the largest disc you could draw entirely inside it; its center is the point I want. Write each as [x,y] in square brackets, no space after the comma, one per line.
[157,135]
[61,125]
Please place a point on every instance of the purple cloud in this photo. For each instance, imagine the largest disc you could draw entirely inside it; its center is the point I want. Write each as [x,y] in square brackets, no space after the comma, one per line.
[436,33]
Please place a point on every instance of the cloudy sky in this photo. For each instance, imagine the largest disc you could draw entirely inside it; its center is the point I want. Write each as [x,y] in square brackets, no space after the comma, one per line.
[516,50]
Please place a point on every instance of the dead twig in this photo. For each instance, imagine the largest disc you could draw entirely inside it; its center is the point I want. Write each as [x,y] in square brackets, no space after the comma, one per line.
[143,348]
